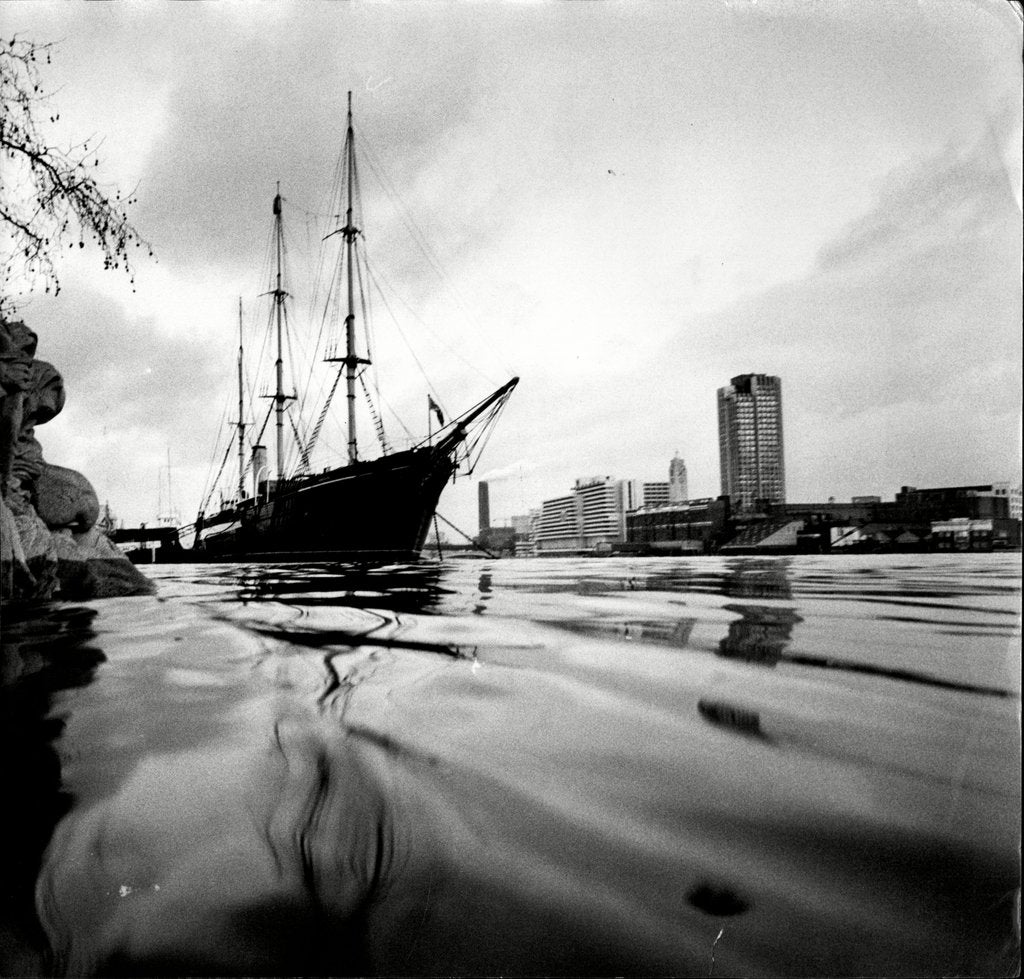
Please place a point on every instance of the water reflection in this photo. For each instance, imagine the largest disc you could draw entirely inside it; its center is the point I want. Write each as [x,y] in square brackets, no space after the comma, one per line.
[760,634]
[755,578]
[763,632]
[717,900]
[253,860]
[44,650]
[621,767]
[724,714]
[399,589]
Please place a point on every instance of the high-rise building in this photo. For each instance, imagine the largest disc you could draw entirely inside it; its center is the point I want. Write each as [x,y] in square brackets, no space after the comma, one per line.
[750,440]
[558,526]
[678,490]
[593,516]
[602,517]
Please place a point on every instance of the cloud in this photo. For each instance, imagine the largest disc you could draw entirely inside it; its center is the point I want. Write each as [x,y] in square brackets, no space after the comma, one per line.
[925,204]
[133,391]
[900,351]
[747,226]
[230,133]
[124,367]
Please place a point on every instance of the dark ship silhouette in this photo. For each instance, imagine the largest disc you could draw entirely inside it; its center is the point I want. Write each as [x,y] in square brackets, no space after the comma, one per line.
[375,509]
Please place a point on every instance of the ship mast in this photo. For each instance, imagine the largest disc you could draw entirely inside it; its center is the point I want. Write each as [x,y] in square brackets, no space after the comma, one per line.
[241,408]
[279,396]
[350,319]
[351,360]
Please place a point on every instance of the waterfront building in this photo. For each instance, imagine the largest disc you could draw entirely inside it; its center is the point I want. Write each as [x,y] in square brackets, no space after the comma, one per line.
[523,524]
[751,450]
[687,527]
[943,518]
[678,489]
[557,528]
[655,494]
[636,494]
[589,519]
[525,527]
[965,534]
[982,501]
[602,511]
[1012,494]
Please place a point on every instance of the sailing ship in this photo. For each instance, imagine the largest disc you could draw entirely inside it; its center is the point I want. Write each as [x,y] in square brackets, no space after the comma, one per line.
[366,509]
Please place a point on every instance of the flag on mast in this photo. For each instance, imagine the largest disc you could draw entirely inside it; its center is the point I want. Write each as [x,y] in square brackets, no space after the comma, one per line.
[433,406]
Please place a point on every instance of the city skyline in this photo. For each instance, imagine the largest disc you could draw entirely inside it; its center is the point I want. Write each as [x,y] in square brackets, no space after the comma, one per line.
[623,241]
[613,515]
[639,493]
[751,462]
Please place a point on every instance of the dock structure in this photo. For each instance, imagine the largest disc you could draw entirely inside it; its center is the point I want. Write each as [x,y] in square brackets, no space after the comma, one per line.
[154,545]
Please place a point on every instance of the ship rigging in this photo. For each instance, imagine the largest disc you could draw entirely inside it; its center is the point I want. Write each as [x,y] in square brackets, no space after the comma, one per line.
[366,507]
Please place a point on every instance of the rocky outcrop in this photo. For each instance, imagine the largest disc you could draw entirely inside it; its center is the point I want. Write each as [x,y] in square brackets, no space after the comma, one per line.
[50,547]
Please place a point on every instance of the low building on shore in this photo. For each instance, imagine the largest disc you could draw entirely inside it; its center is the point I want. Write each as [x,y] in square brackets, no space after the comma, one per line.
[965,534]
[687,527]
[608,516]
[974,517]
[984,501]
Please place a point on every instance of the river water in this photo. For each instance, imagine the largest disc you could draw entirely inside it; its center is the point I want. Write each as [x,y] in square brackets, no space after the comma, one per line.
[730,767]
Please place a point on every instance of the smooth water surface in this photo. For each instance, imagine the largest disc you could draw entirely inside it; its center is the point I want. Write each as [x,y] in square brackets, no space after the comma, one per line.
[737,767]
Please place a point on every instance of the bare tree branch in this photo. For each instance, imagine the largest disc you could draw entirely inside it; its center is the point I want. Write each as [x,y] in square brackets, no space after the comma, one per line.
[49,198]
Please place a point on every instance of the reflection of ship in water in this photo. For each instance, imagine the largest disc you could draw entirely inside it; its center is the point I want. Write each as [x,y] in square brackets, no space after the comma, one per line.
[399,591]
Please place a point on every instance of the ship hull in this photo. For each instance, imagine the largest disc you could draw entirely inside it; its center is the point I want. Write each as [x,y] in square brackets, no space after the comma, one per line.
[376,510]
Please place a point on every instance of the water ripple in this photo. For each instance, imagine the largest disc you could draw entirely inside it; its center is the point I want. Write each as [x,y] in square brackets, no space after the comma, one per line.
[799,766]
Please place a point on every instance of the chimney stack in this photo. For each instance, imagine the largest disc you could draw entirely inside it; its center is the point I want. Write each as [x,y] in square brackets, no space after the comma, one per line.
[485,507]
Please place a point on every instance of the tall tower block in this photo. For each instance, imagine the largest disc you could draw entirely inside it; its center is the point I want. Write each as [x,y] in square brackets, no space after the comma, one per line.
[750,440]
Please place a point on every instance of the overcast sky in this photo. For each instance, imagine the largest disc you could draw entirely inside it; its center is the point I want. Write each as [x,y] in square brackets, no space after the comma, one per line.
[630,203]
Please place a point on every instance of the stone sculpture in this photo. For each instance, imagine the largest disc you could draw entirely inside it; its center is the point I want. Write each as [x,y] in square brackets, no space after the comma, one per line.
[50,546]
